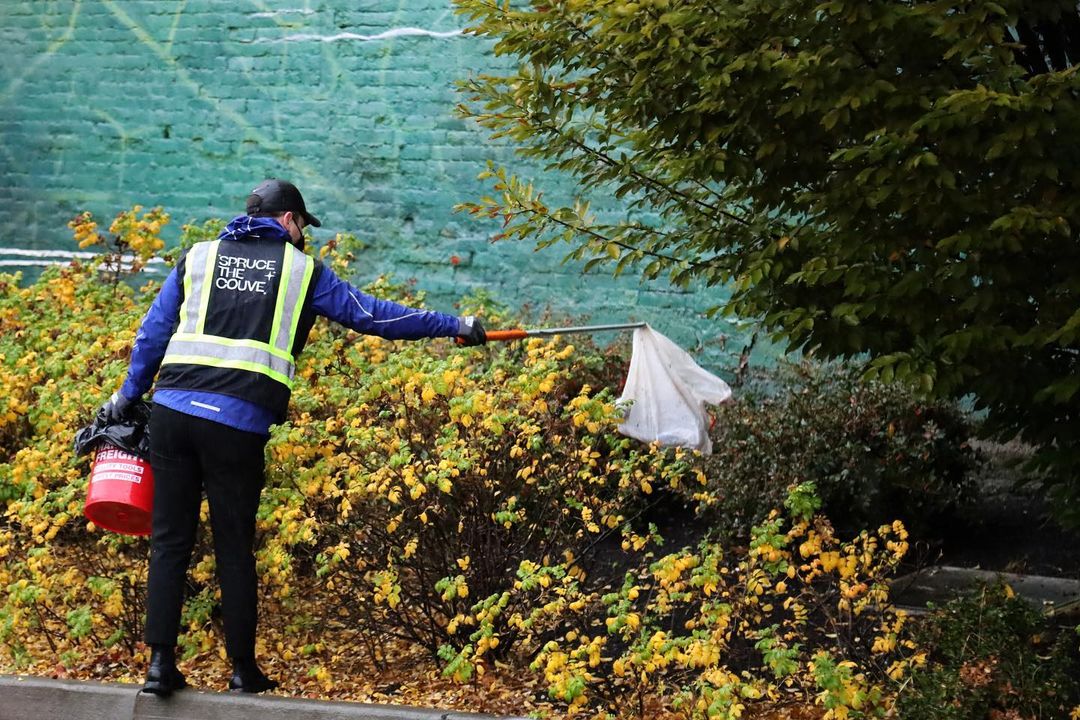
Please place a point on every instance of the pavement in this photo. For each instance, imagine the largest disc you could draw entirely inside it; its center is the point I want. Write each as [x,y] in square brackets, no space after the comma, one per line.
[939,584]
[35,698]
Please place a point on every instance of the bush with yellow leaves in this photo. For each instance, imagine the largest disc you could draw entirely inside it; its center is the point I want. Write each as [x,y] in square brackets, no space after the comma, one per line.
[438,490]
[799,617]
[64,344]
[476,502]
[446,493]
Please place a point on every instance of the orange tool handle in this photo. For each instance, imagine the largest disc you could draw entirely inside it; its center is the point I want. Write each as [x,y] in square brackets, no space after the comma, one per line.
[505,335]
[516,334]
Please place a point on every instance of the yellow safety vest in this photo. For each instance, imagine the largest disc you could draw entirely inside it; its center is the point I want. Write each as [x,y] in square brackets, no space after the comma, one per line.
[191,344]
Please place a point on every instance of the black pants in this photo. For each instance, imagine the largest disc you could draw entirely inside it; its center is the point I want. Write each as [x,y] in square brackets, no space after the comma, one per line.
[190,455]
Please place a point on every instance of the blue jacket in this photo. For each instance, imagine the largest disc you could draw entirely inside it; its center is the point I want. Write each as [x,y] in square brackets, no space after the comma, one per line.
[332,298]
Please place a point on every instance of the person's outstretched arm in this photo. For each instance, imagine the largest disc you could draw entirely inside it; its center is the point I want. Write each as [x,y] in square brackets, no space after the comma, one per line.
[339,301]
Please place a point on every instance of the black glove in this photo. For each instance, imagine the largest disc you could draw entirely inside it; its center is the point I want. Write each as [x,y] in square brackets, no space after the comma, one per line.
[471,331]
[117,408]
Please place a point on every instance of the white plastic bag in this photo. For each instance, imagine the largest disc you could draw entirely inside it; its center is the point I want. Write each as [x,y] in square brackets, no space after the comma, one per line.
[667,392]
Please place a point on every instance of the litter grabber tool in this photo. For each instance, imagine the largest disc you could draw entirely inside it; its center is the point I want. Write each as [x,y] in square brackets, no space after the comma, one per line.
[521,334]
[665,393]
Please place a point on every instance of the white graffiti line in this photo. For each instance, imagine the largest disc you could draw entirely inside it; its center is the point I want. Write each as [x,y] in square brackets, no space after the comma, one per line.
[387,35]
[30,263]
[50,263]
[48,258]
[283,11]
[21,252]
[62,254]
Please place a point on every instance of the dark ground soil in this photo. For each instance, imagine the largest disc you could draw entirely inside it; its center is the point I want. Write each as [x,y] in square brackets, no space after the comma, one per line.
[1008,527]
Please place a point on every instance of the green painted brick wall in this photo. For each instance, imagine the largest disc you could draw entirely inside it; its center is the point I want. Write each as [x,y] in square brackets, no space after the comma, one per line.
[188,103]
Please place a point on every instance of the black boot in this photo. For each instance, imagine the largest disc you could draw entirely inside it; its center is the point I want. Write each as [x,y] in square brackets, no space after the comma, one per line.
[162,677]
[247,677]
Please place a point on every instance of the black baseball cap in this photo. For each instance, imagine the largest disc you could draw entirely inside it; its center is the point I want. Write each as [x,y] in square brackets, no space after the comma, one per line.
[274,196]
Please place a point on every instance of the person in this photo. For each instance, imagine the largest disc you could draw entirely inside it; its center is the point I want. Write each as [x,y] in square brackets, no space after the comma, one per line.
[222,336]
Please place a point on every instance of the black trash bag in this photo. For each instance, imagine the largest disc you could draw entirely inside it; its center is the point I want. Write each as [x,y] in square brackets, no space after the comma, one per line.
[131,434]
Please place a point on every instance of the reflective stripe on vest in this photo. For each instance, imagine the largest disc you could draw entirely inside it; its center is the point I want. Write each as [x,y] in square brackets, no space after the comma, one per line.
[190,345]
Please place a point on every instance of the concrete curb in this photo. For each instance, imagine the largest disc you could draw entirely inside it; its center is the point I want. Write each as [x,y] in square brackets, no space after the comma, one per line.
[34,698]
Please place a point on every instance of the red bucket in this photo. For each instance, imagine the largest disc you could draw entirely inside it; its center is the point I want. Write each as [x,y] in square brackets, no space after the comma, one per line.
[121,492]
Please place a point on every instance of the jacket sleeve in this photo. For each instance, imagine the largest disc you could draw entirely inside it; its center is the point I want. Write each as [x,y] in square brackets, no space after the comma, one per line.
[153,336]
[341,302]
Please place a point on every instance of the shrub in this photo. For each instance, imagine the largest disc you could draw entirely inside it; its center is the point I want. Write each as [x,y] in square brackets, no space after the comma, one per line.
[874,450]
[64,344]
[477,503]
[800,617]
[451,491]
[440,491]
[994,656]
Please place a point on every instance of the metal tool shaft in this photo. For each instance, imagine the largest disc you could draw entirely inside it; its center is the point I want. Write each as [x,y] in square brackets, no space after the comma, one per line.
[521,334]
[583,329]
